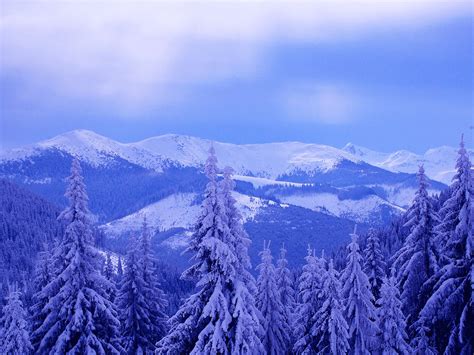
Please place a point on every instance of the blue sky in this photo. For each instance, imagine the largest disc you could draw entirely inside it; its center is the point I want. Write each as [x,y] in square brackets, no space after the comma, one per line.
[382,74]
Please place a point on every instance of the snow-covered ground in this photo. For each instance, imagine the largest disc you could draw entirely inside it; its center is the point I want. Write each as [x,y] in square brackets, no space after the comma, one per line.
[175,211]
[178,211]
[357,210]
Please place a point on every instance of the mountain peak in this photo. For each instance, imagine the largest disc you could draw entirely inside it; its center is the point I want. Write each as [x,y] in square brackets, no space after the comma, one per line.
[77,135]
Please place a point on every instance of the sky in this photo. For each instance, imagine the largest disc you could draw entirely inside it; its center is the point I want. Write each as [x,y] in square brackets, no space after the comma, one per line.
[385,74]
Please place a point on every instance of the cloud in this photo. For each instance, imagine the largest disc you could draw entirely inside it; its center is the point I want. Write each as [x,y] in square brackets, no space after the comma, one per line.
[327,104]
[133,54]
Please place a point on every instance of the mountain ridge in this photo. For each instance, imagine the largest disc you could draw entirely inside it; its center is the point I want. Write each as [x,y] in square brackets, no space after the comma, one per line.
[265,160]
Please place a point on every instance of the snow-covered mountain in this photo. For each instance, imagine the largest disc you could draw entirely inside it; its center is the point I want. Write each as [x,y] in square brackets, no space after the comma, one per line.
[438,162]
[279,185]
[158,160]
[270,160]
[263,160]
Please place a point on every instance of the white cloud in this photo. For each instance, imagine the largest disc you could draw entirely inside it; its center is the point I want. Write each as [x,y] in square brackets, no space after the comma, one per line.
[328,103]
[134,53]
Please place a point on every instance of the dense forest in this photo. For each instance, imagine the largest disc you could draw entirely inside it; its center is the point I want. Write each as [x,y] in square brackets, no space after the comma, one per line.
[406,288]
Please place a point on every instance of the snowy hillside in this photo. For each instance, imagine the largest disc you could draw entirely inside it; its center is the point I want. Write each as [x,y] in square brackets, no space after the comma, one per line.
[438,162]
[178,211]
[361,210]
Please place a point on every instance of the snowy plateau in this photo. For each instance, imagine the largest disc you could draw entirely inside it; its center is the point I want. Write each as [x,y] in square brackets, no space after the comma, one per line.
[276,183]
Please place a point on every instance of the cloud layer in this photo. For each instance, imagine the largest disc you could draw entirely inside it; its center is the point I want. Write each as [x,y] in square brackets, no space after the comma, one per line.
[133,54]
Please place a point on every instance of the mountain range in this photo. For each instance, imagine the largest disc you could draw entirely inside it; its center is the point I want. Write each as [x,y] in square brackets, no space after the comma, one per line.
[290,191]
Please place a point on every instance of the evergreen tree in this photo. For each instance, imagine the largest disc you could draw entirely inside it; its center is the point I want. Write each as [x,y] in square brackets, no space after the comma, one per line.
[416,261]
[43,276]
[245,329]
[310,299]
[421,343]
[78,317]
[285,287]
[119,271]
[449,312]
[15,338]
[330,328]
[152,291]
[137,327]
[109,268]
[374,264]
[359,308]
[276,338]
[204,323]
[110,276]
[391,320]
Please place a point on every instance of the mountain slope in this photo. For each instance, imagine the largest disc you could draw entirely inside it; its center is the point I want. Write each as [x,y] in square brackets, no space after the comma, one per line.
[438,162]
[161,166]
[286,191]
[171,221]
[27,223]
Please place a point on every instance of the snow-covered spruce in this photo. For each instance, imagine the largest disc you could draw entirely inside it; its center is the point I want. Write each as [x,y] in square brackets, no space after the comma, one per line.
[330,328]
[78,317]
[108,268]
[393,337]
[416,261]
[211,320]
[449,312]
[43,275]
[134,307]
[154,296]
[245,329]
[276,339]
[374,264]
[359,307]
[14,335]
[118,277]
[285,287]
[110,276]
[310,299]
[421,343]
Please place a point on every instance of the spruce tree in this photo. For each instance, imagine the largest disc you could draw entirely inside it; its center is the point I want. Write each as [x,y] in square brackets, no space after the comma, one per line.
[15,338]
[416,261]
[276,338]
[78,317]
[119,275]
[205,323]
[421,343]
[449,312]
[330,328]
[310,299]
[374,264]
[43,275]
[393,337]
[137,327]
[359,307]
[152,291]
[285,286]
[110,276]
[109,268]
[245,329]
